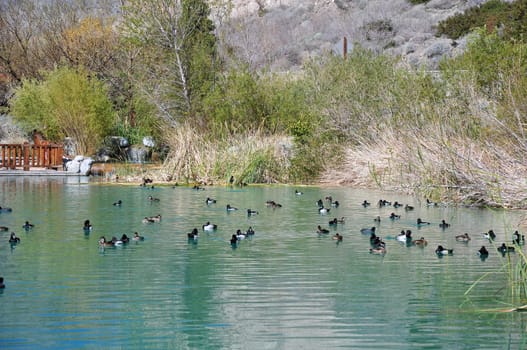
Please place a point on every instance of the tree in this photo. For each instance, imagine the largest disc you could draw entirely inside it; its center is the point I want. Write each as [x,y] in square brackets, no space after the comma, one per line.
[178,52]
[67,103]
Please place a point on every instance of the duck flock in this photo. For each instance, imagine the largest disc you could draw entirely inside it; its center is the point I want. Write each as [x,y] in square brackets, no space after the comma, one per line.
[325,207]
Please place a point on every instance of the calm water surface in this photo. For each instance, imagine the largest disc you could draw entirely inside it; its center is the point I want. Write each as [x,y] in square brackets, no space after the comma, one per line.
[286,288]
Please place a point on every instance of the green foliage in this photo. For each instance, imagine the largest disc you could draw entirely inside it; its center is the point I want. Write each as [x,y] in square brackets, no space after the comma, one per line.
[511,17]
[67,103]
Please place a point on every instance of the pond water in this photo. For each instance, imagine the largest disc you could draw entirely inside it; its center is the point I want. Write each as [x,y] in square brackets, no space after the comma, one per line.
[285,288]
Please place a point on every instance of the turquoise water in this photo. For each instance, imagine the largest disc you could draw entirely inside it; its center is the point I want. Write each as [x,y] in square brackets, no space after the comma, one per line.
[286,288]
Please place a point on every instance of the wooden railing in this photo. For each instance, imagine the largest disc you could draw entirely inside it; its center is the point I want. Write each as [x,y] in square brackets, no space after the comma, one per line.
[26,156]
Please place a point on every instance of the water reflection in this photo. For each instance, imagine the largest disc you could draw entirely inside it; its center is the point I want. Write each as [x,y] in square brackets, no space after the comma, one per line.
[285,287]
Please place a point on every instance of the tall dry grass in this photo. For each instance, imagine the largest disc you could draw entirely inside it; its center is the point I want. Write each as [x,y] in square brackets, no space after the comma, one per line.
[255,158]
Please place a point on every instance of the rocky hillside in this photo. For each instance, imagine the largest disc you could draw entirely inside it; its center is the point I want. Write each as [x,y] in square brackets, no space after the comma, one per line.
[282,34]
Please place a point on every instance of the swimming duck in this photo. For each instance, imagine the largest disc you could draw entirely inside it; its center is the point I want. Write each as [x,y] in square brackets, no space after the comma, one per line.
[421,222]
[404,236]
[4,228]
[384,203]
[272,204]
[125,239]
[210,200]
[13,239]
[367,231]
[240,235]
[333,222]
[516,238]
[5,210]
[148,220]
[421,242]
[490,235]
[338,237]
[193,235]
[250,231]
[229,208]
[335,204]
[116,242]
[430,203]
[408,207]
[397,204]
[118,203]
[483,252]
[505,249]
[27,226]
[463,238]
[87,226]
[321,230]
[2,285]
[104,243]
[341,220]
[393,216]
[366,204]
[234,240]
[209,227]
[137,237]
[444,224]
[323,210]
[299,193]
[320,204]
[155,218]
[153,199]
[251,212]
[442,251]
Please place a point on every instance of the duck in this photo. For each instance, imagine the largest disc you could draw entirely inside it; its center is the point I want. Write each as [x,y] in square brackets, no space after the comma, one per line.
[118,203]
[155,218]
[234,240]
[463,238]
[483,252]
[148,220]
[2,285]
[490,235]
[229,208]
[384,203]
[323,210]
[250,231]
[209,227]
[430,203]
[378,250]
[210,200]
[153,199]
[320,204]
[27,226]
[13,239]
[335,204]
[394,216]
[404,236]
[505,249]
[397,204]
[367,231]
[442,251]
[516,238]
[4,228]
[273,204]
[421,242]
[365,203]
[87,225]
[298,193]
[321,230]
[444,224]
[125,239]
[421,222]
[104,243]
[193,235]
[377,219]
[408,207]
[5,210]
[333,222]
[240,235]
[338,237]
[251,212]
[136,237]
[116,242]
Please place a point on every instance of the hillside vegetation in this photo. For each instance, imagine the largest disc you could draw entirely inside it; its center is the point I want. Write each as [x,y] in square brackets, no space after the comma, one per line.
[219,88]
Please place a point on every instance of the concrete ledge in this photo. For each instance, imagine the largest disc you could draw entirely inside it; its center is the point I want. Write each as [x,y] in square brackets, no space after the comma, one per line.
[37,172]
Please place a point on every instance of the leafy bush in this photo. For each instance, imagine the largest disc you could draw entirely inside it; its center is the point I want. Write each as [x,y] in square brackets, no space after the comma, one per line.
[67,103]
